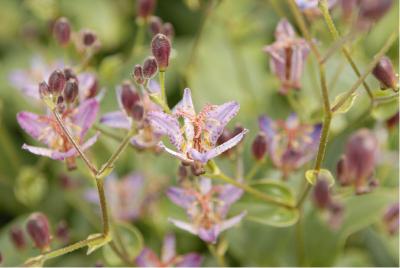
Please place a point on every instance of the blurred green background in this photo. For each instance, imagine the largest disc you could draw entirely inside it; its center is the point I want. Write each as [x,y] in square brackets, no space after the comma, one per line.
[227,63]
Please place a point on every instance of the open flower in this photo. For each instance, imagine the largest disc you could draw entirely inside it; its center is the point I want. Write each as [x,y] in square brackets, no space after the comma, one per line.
[169,258]
[207,207]
[45,129]
[126,197]
[197,140]
[290,144]
[136,110]
[288,55]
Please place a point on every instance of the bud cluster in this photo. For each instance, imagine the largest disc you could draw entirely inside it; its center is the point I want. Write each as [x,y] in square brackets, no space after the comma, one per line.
[38,229]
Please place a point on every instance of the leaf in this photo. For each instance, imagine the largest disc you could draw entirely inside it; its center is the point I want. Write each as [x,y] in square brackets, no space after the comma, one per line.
[347,104]
[311,176]
[128,240]
[30,186]
[99,240]
[384,111]
[268,213]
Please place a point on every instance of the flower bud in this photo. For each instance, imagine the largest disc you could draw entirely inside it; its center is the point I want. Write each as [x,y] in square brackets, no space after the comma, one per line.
[385,73]
[393,121]
[145,8]
[259,147]
[321,194]
[137,112]
[17,237]
[168,30]
[129,97]
[155,25]
[341,171]
[69,73]
[44,89]
[149,67]
[38,229]
[88,37]
[62,31]
[71,90]
[138,74]
[373,10]
[56,81]
[62,231]
[161,49]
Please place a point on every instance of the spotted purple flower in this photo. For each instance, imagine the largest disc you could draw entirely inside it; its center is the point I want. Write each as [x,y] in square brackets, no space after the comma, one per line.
[207,207]
[290,144]
[44,128]
[169,258]
[287,56]
[197,140]
[126,197]
[146,137]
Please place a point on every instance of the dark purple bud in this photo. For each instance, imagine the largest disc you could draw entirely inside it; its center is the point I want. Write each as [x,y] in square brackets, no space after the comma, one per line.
[393,121]
[341,171]
[62,231]
[88,37]
[149,68]
[62,31]
[129,97]
[373,10]
[168,30]
[56,81]
[137,112]
[17,237]
[145,8]
[138,74]
[44,89]
[39,230]
[71,90]
[155,25]
[93,89]
[385,73]
[69,73]
[321,195]
[161,49]
[225,136]
[259,147]
[237,130]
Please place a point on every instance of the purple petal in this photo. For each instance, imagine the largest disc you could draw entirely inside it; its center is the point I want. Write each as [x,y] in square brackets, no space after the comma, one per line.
[180,197]
[21,80]
[292,121]
[87,81]
[205,185]
[141,141]
[39,151]
[168,249]
[180,156]
[316,133]
[33,124]
[186,104]
[72,152]
[197,156]
[86,115]
[228,195]
[218,118]
[284,30]
[154,87]
[190,260]
[116,119]
[147,258]
[184,226]
[266,125]
[165,124]
[232,221]
[209,235]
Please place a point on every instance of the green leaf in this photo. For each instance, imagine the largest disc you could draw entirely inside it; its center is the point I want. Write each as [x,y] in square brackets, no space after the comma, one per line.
[311,176]
[346,105]
[127,240]
[384,111]
[99,241]
[30,186]
[268,213]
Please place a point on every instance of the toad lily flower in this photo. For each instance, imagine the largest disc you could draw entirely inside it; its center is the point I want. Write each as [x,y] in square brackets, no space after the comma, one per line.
[197,140]
[45,129]
[169,258]
[207,208]
[134,108]
[290,144]
[288,55]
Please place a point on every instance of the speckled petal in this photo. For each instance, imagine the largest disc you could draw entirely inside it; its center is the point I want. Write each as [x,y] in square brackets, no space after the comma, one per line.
[209,235]
[184,226]
[86,115]
[33,124]
[266,125]
[178,155]
[232,221]
[117,119]
[180,197]
[186,104]
[190,260]
[147,258]
[165,124]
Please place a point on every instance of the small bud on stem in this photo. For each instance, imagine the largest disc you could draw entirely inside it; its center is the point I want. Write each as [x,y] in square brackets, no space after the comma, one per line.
[138,74]
[149,68]
[259,147]
[56,82]
[17,237]
[62,31]
[161,49]
[385,73]
[38,229]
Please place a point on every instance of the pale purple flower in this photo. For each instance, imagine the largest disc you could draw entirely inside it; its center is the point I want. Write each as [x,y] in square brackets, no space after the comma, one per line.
[287,56]
[146,136]
[169,258]
[290,143]
[197,140]
[44,128]
[126,197]
[207,207]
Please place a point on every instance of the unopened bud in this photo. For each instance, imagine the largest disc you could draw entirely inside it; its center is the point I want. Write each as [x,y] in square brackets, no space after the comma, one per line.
[149,68]
[137,112]
[145,8]
[88,37]
[155,25]
[71,90]
[237,130]
[129,97]
[69,73]
[373,10]
[38,229]
[138,74]
[321,194]
[62,232]
[385,73]
[393,121]
[336,214]
[44,89]
[341,171]
[161,49]
[168,30]
[17,237]
[56,81]
[62,31]
[259,147]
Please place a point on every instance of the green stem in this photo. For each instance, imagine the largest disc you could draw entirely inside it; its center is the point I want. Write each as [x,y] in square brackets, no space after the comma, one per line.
[300,243]
[162,85]
[220,259]
[254,169]
[103,205]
